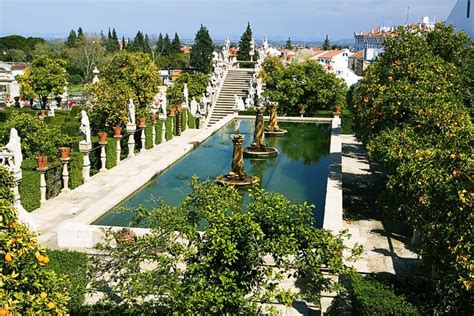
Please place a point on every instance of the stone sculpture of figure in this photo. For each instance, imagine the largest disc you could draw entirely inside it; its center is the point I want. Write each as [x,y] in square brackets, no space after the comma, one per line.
[265,45]
[194,107]
[227,43]
[155,105]
[239,103]
[86,127]
[131,112]
[204,103]
[163,103]
[259,88]
[186,95]
[14,148]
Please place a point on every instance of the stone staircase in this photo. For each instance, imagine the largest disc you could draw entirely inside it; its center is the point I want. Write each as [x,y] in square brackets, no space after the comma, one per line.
[236,83]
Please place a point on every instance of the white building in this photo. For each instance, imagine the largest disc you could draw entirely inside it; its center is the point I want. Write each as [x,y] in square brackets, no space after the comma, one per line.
[337,61]
[9,87]
[374,38]
[461,16]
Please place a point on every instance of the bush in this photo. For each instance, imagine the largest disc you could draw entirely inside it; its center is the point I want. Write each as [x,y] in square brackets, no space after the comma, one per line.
[29,185]
[369,297]
[73,266]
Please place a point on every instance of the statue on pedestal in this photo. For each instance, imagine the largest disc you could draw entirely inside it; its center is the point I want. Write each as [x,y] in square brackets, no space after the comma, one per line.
[131,112]
[186,95]
[11,155]
[85,129]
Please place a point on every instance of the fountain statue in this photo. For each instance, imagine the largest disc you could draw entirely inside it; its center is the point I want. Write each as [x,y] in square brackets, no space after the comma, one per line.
[273,129]
[237,177]
[258,149]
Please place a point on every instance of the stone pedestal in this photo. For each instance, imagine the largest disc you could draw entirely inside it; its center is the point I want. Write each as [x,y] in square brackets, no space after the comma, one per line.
[42,185]
[118,150]
[143,139]
[103,157]
[179,123]
[131,128]
[185,120]
[85,149]
[163,130]
[65,174]
[153,134]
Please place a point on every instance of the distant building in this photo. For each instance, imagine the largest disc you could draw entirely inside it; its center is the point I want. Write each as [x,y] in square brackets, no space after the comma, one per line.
[374,38]
[9,87]
[462,16]
[337,61]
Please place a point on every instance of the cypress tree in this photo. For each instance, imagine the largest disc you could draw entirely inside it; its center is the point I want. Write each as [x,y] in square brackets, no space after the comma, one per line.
[138,43]
[147,43]
[114,35]
[176,44]
[327,43]
[71,39]
[289,45]
[124,44]
[201,52]
[166,45]
[80,34]
[109,35]
[244,44]
[159,44]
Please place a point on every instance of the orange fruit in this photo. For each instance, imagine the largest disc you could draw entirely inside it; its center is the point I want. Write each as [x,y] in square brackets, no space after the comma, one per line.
[43,295]
[8,257]
[3,312]
[45,260]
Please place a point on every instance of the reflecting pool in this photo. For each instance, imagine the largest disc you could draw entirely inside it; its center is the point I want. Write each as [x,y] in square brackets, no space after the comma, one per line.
[299,171]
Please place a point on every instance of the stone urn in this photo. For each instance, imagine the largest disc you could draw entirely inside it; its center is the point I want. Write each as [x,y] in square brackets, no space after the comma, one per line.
[102,137]
[42,162]
[141,121]
[64,151]
[117,131]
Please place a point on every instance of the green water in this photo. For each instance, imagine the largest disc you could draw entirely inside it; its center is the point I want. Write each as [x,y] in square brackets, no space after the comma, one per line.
[299,171]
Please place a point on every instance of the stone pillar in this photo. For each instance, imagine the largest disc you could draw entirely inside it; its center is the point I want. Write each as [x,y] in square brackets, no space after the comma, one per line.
[259,135]
[273,125]
[143,139]
[42,185]
[153,130]
[186,119]
[131,128]
[65,162]
[86,166]
[16,193]
[103,157]
[172,124]
[118,150]
[238,156]
[163,130]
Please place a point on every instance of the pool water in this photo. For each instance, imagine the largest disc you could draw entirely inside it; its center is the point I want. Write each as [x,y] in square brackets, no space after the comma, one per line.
[299,171]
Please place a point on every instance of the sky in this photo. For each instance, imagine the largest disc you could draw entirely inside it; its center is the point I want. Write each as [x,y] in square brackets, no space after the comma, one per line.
[303,20]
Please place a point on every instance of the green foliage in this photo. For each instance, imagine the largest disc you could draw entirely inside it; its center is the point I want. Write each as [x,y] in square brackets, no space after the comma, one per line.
[305,86]
[201,52]
[197,84]
[29,186]
[288,44]
[176,44]
[71,39]
[369,297]
[411,112]
[327,43]
[6,182]
[222,270]
[71,265]
[19,43]
[37,138]
[26,286]
[45,76]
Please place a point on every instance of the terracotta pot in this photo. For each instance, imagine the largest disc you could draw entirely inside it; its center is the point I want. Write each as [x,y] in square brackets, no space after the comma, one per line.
[154,118]
[102,137]
[42,162]
[141,121]
[117,131]
[337,109]
[180,107]
[42,113]
[172,110]
[64,151]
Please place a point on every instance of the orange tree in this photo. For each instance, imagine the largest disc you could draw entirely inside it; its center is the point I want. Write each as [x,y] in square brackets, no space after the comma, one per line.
[412,113]
[26,288]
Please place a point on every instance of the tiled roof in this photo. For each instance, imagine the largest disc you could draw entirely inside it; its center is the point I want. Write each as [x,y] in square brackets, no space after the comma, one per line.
[331,53]
[357,55]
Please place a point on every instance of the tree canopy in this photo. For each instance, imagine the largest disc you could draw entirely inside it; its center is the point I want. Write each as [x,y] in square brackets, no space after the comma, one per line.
[201,52]
[197,84]
[412,113]
[244,44]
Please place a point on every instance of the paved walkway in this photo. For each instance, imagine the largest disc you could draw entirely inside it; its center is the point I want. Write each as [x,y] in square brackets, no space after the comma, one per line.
[386,247]
[88,202]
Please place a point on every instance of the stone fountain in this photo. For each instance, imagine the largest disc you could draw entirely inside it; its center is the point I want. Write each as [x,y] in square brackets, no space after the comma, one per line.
[273,129]
[258,149]
[237,177]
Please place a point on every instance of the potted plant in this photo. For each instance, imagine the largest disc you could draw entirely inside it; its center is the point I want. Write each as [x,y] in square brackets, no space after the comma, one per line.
[117,131]
[154,118]
[337,109]
[42,162]
[124,236]
[179,107]
[102,137]
[141,115]
[172,110]
[64,152]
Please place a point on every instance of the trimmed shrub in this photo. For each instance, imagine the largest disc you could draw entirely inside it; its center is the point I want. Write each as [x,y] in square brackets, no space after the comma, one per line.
[29,185]
[370,297]
[73,266]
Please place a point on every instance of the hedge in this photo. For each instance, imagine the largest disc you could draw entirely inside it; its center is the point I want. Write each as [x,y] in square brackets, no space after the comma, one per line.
[29,185]
[370,297]
[73,265]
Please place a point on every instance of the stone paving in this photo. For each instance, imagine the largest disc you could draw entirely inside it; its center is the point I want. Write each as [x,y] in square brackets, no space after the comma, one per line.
[386,248]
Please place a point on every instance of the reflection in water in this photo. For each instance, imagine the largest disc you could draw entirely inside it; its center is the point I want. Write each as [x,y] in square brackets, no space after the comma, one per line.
[299,171]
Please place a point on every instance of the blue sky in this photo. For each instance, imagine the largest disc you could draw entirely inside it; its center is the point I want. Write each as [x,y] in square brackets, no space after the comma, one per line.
[277,19]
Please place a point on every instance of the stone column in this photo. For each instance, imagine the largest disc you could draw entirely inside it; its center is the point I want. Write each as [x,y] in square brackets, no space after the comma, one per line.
[172,124]
[143,139]
[259,135]
[273,125]
[163,130]
[65,162]
[103,157]
[118,150]
[186,120]
[42,185]
[85,149]
[238,156]
[131,128]
[153,130]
